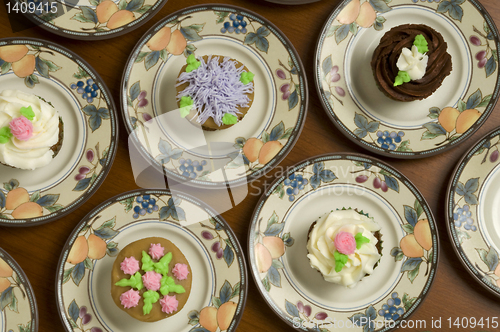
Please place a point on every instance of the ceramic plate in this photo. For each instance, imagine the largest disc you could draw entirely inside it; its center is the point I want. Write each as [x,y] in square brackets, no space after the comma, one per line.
[90,19]
[472,211]
[275,118]
[350,95]
[18,309]
[220,275]
[298,293]
[292,2]
[90,133]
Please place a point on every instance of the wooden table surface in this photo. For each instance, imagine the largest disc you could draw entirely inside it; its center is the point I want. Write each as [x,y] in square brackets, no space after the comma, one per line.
[37,249]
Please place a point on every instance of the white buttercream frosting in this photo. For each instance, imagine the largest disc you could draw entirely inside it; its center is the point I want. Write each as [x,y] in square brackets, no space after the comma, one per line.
[413,62]
[321,247]
[35,152]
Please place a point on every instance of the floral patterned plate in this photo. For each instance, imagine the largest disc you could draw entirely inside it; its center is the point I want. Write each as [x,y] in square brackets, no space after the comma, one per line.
[292,2]
[278,236]
[90,133]
[269,129]
[472,211]
[18,309]
[91,19]
[217,297]
[416,129]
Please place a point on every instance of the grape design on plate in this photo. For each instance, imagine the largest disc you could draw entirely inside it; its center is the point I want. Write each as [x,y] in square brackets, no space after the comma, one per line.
[189,167]
[387,140]
[392,309]
[294,184]
[147,204]
[88,90]
[237,26]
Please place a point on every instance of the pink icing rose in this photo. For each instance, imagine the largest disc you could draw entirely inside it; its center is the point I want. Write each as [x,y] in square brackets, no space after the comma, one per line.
[21,128]
[180,271]
[130,298]
[156,251]
[345,243]
[152,280]
[169,304]
[130,265]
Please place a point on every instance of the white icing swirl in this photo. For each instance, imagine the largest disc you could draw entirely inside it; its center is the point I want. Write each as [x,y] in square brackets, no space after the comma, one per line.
[321,247]
[413,62]
[35,152]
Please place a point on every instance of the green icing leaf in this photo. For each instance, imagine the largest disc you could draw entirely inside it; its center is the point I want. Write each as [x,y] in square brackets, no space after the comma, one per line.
[147,262]
[5,135]
[340,260]
[186,104]
[246,77]
[402,77]
[229,119]
[27,112]
[135,281]
[421,44]
[162,266]
[360,240]
[192,63]
[149,297]
[168,286]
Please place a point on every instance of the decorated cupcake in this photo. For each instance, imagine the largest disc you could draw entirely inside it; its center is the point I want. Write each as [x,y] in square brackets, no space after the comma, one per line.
[344,246]
[214,91]
[411,62]
[151,279]
[31,131]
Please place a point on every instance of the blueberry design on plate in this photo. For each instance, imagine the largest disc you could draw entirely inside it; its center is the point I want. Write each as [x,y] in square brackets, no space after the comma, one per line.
[279,232]
[217,298]
[274,119]
[415,129]
[470,211]
[18,309]
[59,78]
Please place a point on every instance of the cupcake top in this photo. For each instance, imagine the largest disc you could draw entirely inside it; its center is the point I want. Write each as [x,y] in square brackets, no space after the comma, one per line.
[402,49]
[151,279]
[29,128]
[218,88]
[342,247]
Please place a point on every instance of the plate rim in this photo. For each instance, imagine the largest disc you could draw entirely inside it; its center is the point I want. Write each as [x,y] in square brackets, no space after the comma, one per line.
[104,204]
[28,288]
[61,32]
[302,114]
[403,155]
[455,174]
[268,192]
[113,142]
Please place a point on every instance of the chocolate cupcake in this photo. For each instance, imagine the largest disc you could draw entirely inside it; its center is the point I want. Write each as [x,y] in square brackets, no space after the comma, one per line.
[214,91]
[344,246]
[31,130]
[387,58]
[151,279]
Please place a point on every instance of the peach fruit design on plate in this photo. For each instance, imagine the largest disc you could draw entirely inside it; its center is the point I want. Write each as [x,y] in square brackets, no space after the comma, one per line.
[357,15]
[268,250]
[19,204]
[257,152]
[89,246]
[8,282]
[108,15]
[170,40]
[417,244]
[219,316]
[23,61]
[453,122]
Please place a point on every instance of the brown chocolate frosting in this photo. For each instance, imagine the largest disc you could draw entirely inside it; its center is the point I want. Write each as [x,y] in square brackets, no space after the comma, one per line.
[387,54]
